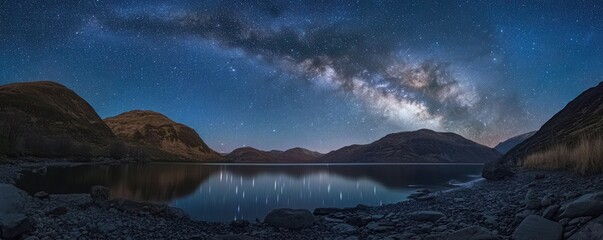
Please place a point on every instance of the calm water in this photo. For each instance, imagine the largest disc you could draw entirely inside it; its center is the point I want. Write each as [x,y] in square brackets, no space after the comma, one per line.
[228,192]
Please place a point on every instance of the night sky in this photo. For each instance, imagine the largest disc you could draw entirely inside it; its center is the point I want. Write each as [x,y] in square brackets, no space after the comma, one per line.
[320,75]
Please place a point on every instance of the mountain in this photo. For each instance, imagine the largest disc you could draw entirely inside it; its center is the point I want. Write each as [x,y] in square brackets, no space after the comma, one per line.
[506,145]
[161,138]
[422,146]
[293,155]
[46,119]
[580,119]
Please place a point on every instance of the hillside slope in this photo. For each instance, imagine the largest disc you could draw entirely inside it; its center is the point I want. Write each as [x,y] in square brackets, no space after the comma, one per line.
[422,146]
[46,119]
[161,138]
[582,118]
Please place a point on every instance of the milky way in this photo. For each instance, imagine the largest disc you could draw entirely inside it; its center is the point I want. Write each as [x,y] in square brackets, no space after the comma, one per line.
[473,69]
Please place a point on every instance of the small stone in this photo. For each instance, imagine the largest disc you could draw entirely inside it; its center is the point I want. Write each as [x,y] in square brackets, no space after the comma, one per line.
[41,195]
[459,199]
[58,211]
[539,176]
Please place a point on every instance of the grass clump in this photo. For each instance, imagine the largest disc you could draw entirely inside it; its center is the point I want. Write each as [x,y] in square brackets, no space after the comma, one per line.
[584,158]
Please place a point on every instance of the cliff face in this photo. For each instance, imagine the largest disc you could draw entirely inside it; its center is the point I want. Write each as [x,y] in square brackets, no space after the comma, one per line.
[582,118]
[46,119]
[160,137]
[422,146]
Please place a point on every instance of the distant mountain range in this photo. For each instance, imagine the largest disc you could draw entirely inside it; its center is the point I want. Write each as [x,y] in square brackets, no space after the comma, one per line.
[422,146]
[581,119]
[293,155]
[46,119]
[506,145]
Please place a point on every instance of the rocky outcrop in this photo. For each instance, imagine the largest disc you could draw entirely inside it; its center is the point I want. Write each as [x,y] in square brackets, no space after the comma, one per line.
[422,146]
[508,144]
[580,119]
[161,138]
[591,231]
[46,119]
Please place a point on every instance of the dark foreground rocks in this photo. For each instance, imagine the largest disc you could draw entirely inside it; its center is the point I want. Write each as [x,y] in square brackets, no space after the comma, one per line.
[529,205]
[289,218]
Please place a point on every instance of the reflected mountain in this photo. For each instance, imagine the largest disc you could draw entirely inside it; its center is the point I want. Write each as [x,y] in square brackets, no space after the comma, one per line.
[166,182]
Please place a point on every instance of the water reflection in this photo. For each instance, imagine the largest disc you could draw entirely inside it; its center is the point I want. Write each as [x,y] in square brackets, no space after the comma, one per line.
[228,192]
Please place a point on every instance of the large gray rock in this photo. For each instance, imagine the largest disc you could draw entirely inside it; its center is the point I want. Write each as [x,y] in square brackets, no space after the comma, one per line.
[496,170]
[593,230]
[14,225]
[289,218]
[537,227]
[469,233]
[426,216]
[587,205]
[12,202]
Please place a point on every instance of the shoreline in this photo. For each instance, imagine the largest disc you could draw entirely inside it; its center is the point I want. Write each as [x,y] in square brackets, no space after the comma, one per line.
[495,208]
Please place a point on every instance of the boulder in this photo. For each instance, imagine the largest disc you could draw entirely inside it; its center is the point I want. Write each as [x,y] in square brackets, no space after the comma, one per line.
[496,170]
[587,205]
[14,225]
[426,216]
[12,222]
[289,218]
[593,230]
[537,227]
[469,233]
[12,200]
[100,194]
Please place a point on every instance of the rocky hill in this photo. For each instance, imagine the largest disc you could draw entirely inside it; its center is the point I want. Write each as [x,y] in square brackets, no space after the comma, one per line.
[46,119]
[582,118]
[161,138]
[506,145]
[422,146]
[293,155]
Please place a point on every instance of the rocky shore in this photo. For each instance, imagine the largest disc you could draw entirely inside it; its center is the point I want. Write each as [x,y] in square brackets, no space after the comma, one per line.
[531,205]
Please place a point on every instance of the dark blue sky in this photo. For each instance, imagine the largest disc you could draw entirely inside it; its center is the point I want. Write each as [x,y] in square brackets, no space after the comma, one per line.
[320,75]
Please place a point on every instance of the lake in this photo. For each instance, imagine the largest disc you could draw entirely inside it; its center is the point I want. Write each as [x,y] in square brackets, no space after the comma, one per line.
[221,193]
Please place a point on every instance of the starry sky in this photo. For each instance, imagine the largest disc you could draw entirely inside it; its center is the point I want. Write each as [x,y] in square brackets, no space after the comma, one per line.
[314,74]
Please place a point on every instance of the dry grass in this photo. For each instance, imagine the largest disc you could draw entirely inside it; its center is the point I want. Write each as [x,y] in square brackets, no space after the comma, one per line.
[585,158]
